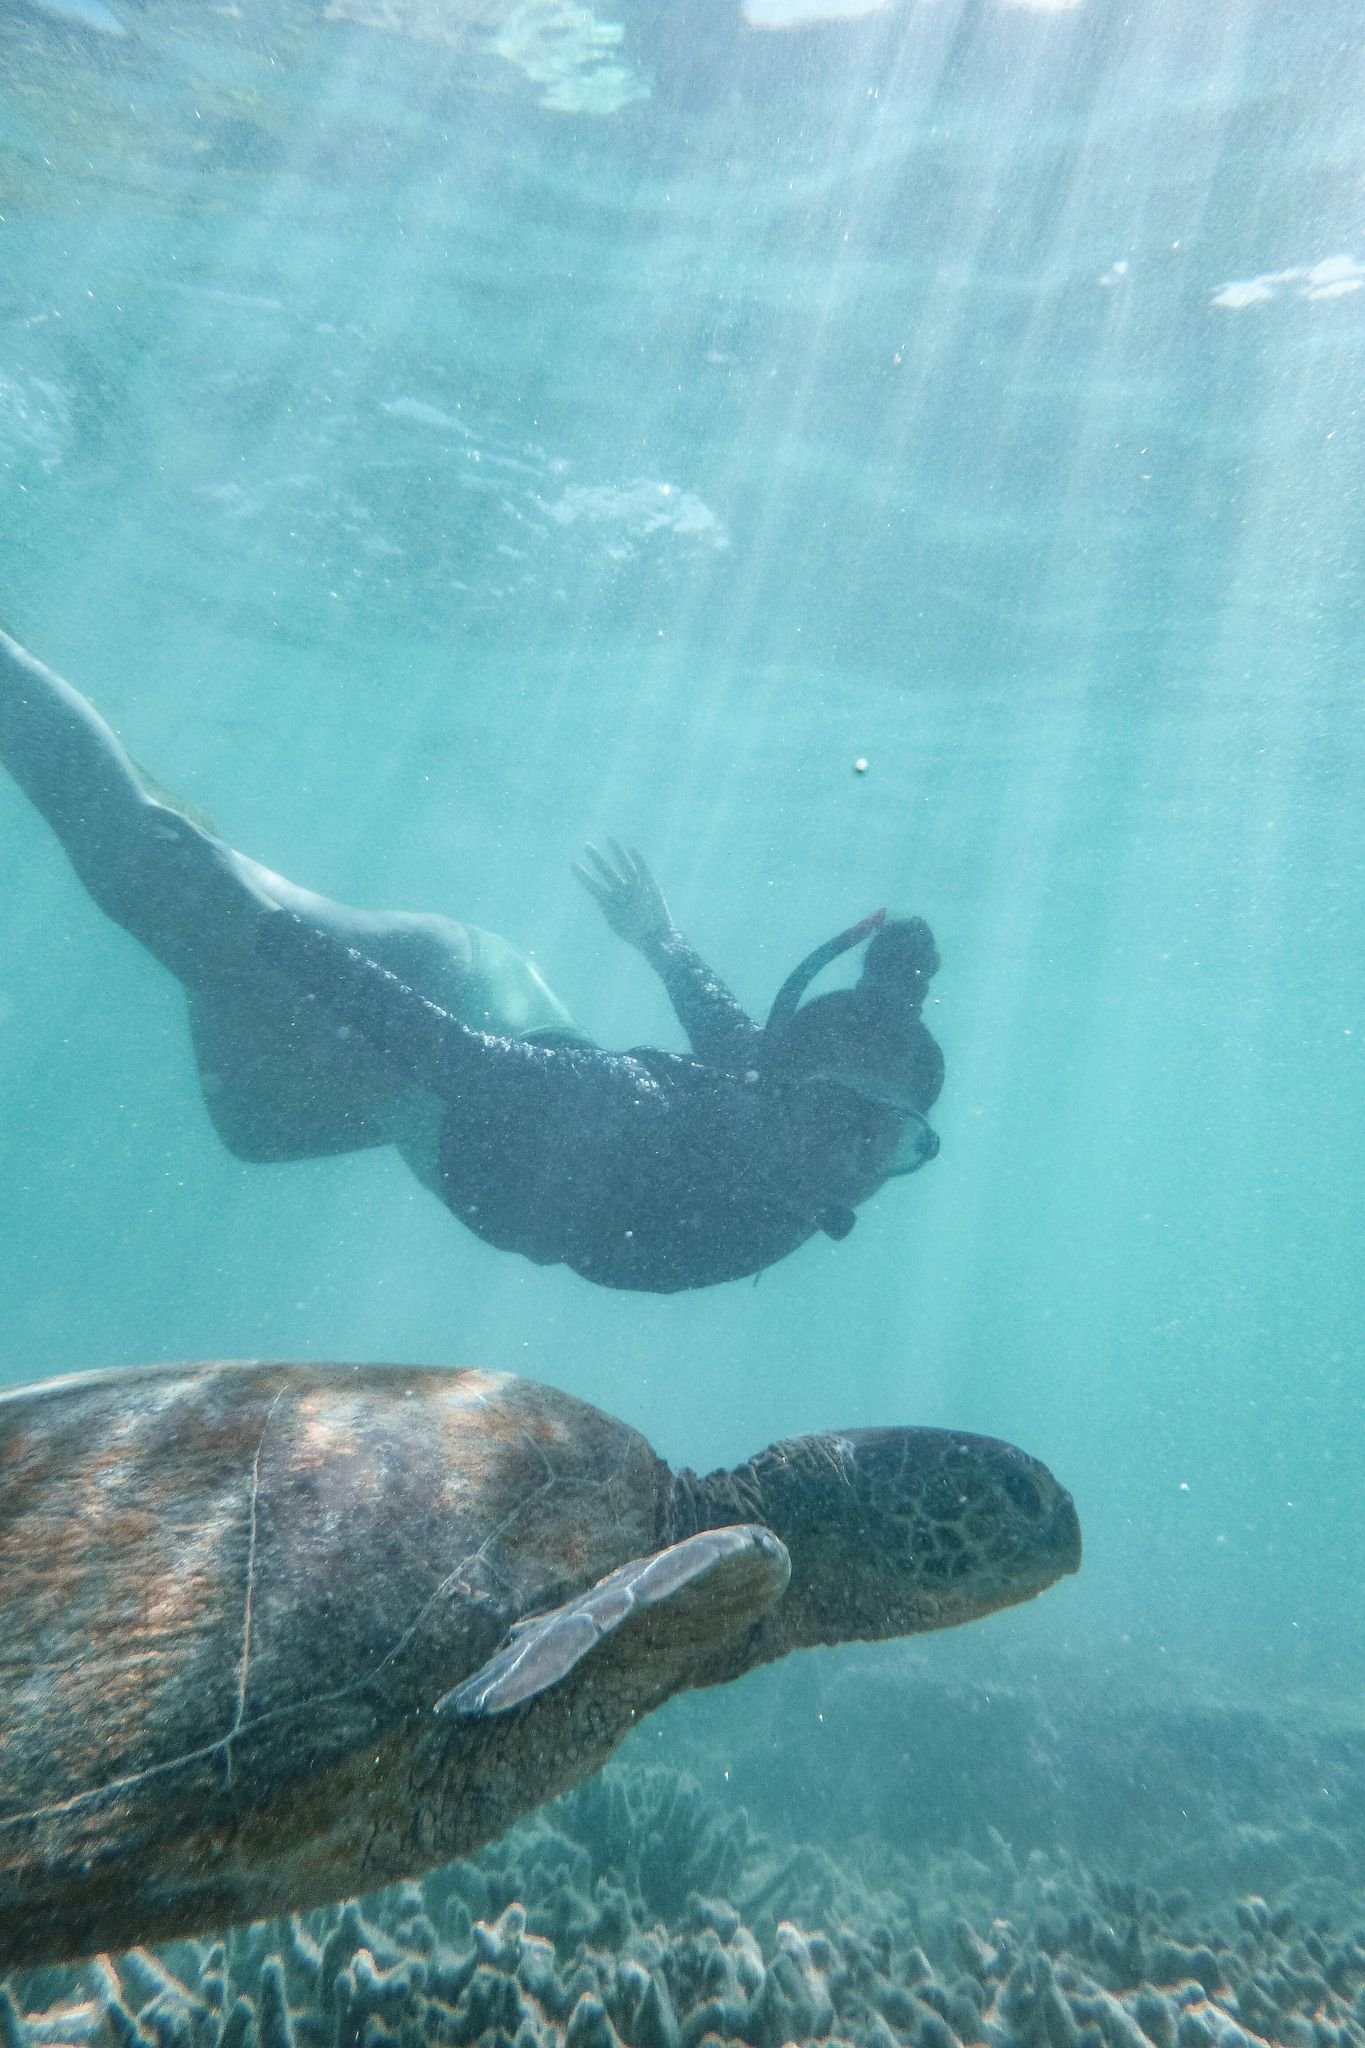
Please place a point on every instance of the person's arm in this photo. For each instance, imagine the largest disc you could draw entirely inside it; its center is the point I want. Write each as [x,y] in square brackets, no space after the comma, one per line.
[420,1040]
[632,902]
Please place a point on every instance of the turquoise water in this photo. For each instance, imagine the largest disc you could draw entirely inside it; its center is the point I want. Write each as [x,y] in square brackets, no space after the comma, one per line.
[434,449]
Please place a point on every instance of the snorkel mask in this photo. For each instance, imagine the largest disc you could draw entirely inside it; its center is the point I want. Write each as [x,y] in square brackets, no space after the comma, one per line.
[869,1039]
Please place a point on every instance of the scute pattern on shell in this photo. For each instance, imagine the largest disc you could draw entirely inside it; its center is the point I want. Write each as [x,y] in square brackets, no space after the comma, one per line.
[192,1553]
[231,1596]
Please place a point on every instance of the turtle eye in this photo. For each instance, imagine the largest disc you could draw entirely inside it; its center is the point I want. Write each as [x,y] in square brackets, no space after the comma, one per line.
[1023,1492]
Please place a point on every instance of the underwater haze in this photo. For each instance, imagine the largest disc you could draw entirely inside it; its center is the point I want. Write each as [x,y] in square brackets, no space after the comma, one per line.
[912,459]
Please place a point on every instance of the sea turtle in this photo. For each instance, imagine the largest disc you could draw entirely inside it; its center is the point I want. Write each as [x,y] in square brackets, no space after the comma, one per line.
[272,1634]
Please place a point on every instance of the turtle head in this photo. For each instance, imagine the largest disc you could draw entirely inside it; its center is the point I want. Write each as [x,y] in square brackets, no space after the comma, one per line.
[895,1532]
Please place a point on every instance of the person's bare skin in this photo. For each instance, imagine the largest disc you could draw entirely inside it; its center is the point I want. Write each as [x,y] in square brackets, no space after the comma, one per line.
[280,1081]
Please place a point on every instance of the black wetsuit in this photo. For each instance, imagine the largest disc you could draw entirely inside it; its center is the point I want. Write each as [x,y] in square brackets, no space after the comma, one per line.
[641,1169]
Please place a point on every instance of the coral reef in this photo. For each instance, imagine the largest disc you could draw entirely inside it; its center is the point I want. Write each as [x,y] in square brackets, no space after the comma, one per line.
[1040,1865]
[937,1748]
[637,1913]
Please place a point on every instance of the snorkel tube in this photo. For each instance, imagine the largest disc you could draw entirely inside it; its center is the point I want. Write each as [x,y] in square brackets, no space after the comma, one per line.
[801,977]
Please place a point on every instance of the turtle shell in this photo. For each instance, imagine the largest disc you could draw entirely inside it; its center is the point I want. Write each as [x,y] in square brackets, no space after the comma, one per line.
[224,1586]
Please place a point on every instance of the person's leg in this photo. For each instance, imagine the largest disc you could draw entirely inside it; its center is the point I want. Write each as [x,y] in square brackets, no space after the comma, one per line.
[278,1085]
[179,891]
[182,892]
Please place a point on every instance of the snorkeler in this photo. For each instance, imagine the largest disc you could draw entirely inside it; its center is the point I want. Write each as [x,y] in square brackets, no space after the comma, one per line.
[319,1028]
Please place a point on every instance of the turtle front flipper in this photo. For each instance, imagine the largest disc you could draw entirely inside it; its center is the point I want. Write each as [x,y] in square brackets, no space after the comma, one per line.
[663,1612]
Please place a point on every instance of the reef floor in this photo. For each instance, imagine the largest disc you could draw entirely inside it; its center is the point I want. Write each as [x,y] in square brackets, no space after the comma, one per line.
[1052,1875]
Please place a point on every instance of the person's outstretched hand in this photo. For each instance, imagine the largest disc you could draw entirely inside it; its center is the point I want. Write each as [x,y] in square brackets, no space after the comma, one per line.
[630,899]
